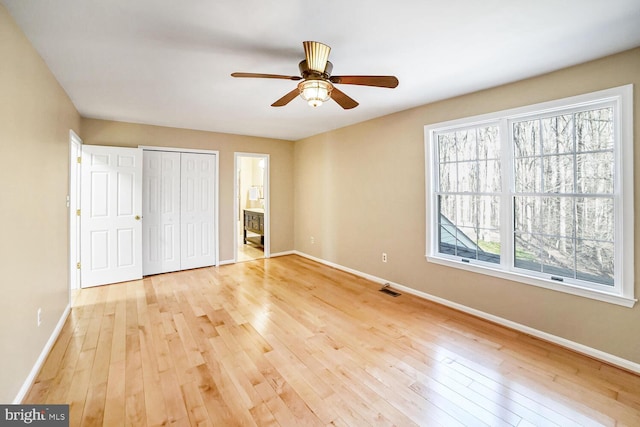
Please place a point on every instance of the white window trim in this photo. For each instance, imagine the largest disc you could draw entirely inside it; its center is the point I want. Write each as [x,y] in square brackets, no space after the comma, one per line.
[623,291]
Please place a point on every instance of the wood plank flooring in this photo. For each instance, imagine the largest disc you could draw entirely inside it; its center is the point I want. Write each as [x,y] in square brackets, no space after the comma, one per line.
[289,342]
[248,251]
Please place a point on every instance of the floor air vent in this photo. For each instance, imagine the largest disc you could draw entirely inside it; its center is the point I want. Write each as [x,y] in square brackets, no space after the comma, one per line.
[387,290]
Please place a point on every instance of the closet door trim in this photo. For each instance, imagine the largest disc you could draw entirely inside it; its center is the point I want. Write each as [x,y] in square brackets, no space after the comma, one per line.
[178,150]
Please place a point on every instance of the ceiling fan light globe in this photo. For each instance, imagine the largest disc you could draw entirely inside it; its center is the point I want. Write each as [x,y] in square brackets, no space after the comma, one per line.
[315,92]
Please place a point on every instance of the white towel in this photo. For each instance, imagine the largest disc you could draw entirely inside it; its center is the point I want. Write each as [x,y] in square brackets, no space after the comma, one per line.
[254,194]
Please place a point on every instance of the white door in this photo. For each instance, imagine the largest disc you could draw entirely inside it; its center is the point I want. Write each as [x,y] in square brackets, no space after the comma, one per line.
[111,205]
[161,212]
[197,210]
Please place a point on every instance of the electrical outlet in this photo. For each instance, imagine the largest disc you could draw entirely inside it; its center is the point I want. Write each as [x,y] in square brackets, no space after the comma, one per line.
[39,316]
[384,257]
[313,240]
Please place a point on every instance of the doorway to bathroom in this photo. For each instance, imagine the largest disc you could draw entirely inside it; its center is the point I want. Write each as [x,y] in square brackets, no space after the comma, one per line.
[251,207]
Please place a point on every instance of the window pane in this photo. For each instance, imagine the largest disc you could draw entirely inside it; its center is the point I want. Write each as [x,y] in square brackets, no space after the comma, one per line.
[557,134]
[447,239]
[448,177]
[594,130]
[459,232]
[527,218]
[467,176]
[466,143]
[527,175]
[447,206]
[488,212]
[558,174]
[595,261]
[557,216]
[467,211]
[459,241]
[467,239]
[527,252]
[447,230]
[489,180]
[526,137]
[558,256]
[446,148]
[488,143]
[595,173]
[488,228]
[489,245]
[594,218]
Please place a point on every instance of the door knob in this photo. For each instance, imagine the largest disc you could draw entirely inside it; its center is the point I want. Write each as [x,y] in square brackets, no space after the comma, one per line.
[137,217]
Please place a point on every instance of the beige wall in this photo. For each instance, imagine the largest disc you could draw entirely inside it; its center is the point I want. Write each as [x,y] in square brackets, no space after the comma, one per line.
[360,191]
[35,118]
[101,132]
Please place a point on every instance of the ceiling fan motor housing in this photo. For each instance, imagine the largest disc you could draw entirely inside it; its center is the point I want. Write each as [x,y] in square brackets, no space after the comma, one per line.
[308,73]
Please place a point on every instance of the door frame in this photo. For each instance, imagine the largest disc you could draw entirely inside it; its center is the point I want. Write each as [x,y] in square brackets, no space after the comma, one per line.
[73,203]
[266,194]
[216,187]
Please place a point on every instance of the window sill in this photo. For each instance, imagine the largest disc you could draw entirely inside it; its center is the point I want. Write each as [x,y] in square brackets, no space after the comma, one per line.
[528,280]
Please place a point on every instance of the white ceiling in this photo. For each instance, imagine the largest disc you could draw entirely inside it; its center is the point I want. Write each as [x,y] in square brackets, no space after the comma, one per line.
[167,62]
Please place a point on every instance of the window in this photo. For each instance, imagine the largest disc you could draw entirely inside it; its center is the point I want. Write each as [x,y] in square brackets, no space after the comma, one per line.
[541,194]
[469,193]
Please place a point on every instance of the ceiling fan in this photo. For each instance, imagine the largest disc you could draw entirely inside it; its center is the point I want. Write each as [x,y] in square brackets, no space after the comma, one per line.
[317,83]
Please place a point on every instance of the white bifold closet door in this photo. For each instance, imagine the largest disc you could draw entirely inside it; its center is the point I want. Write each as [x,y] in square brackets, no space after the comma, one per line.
[161,212]
[178,211]
[197,210]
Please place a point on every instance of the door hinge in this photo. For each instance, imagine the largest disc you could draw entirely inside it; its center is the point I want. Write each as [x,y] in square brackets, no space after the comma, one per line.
[78,266]
[78,212]
[79,159]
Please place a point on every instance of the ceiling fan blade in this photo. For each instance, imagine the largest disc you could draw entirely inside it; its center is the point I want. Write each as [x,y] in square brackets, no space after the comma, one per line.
[317,55]
[286,99]
[378,81]
[342,99]
[266,76]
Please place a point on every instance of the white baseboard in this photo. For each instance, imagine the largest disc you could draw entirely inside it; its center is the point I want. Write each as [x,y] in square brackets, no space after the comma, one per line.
[43,356]
[563,342]
[277,254]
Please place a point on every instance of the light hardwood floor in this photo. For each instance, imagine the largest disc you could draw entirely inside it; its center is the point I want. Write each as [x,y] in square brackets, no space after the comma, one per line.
[248,252]
[286,341]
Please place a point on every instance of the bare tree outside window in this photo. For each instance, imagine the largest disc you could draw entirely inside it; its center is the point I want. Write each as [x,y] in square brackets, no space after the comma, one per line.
[564,173]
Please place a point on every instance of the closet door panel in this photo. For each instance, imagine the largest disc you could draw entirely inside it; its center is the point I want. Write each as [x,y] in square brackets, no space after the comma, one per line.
[197,210]
[161,212]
